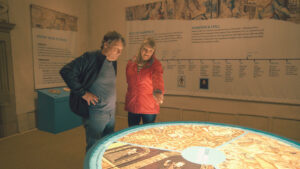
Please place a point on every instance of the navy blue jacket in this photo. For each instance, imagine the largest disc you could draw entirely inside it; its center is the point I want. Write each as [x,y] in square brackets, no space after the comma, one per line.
[79,75]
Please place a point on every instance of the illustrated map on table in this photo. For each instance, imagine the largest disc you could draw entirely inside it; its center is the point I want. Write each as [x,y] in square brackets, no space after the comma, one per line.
[201,147]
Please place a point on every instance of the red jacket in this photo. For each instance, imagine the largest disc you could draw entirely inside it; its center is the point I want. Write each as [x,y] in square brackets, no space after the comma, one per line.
[139,96]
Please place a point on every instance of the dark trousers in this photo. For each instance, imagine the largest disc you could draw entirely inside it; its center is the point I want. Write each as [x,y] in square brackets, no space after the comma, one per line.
[135,119]
[98,125]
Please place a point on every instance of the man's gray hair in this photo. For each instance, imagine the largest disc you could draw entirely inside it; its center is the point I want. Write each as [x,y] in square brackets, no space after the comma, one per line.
[110,37]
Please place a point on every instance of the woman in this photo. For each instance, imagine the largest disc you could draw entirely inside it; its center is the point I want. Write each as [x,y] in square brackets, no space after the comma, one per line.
[145,90]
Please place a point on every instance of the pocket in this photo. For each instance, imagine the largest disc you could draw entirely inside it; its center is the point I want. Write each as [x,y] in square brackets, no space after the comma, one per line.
[100,104]
[149,102]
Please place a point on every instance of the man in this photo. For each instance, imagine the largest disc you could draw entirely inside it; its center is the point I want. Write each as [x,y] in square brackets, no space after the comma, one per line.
[92,80]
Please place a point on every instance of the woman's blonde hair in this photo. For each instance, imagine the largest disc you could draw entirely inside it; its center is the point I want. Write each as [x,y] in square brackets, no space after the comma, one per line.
[150,42]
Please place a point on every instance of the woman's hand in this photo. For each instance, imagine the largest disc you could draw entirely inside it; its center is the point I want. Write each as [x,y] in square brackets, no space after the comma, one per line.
[159,98]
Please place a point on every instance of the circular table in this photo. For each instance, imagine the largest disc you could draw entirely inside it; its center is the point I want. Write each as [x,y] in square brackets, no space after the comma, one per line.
[192,145]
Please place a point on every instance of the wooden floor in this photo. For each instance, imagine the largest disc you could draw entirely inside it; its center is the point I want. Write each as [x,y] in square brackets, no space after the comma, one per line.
[37,149]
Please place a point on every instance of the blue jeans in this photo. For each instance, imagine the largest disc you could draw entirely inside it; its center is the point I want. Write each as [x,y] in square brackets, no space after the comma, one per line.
[135,119]
[98,125]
